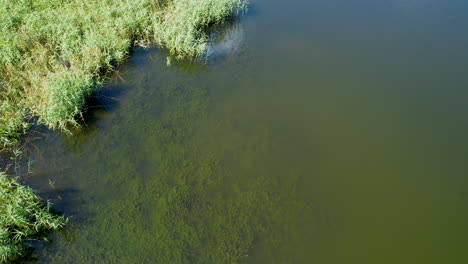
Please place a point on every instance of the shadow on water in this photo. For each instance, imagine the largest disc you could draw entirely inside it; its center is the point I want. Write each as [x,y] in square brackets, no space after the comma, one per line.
[100,103]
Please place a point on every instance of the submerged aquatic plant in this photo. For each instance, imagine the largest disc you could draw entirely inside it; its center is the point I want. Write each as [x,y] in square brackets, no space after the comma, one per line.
[168,193]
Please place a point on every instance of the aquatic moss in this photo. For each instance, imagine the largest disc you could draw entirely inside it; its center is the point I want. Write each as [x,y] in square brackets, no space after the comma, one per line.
[23,216]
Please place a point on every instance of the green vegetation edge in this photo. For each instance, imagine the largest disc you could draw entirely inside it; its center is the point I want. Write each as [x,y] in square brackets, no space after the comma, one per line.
[23,217]
[54,53]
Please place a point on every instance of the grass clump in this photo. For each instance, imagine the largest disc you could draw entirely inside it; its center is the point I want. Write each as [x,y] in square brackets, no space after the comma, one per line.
[53,53]
[182,26]
[23,216]
[12,124]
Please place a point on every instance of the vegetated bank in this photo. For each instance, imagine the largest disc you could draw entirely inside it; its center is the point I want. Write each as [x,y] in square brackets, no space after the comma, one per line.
[23,217]
[53,53]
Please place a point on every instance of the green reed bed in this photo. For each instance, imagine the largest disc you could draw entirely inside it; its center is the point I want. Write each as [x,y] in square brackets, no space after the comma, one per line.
[53,53]
[23,217]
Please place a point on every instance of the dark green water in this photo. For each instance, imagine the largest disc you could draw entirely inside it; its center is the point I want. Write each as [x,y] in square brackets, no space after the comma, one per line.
[319,132]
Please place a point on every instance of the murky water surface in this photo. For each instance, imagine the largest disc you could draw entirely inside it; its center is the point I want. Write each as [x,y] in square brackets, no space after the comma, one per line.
[319,131]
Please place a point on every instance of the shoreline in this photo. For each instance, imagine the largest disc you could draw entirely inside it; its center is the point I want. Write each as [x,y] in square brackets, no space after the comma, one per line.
[54,55]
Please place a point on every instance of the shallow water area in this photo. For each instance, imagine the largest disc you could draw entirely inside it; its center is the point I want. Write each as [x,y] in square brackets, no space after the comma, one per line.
[317,132]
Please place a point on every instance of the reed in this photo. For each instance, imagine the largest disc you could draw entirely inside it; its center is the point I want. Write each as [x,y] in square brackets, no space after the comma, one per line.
[23,217]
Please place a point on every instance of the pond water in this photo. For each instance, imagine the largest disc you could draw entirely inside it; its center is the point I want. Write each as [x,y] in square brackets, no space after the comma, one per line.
[324,131]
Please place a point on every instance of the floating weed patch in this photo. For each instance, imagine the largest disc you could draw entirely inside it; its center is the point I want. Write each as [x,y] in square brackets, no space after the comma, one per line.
[23,216]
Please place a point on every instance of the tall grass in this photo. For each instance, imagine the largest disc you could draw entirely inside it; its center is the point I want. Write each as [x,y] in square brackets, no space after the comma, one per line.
[23,216]
[53,53]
